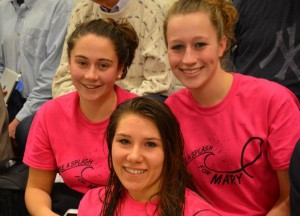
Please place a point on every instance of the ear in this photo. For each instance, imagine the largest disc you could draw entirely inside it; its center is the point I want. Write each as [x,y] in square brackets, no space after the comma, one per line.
[222,46]
[119,72]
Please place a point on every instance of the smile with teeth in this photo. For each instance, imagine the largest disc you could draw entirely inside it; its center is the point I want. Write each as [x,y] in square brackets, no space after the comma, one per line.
[190,71]
[91,86]
[135,171]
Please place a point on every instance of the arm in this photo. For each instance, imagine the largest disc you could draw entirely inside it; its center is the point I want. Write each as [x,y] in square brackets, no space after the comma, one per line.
[158,77]
[157,74]
[42,90]
[38,189]
[54,43]
[62,82]
[284,134]
[12,128]
[282,206]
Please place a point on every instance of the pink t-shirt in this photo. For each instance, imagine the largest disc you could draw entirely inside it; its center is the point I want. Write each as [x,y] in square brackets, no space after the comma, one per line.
[62,139]
[91,204]
[233,149]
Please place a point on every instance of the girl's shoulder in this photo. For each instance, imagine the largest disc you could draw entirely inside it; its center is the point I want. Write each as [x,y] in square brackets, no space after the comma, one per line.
[197,205]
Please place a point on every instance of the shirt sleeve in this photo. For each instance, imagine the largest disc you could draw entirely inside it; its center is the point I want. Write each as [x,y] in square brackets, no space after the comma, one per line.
[42,91]
[284,128]
[91,203]
[62,82]
[38,152]
[158,77]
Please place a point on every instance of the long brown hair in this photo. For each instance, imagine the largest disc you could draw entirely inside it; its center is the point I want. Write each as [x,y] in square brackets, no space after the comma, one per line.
[175,177]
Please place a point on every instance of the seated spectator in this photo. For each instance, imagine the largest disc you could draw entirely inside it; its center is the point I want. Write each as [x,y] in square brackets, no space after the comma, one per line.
[67,132]
[147,170]
[32,33]
[268,44]
[149,73]
[6,150]
[239,130]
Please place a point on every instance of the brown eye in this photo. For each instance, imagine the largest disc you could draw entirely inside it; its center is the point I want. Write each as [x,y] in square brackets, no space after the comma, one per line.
[200,44]
[81,63]
[151,144]
[124,141]
[177,47]
[103,66]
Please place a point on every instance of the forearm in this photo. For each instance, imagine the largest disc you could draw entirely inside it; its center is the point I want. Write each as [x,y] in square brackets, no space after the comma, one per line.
[38,202]
[37,193]
[281,208]
[157,78]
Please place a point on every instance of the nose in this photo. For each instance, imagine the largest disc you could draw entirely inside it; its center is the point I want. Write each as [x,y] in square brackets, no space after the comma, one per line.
[188,57]
[135,155]
[91,73]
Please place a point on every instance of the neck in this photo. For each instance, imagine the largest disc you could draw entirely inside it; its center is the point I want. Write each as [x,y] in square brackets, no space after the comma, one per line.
[107,3]
[215,91]
[100,110]
[142,197]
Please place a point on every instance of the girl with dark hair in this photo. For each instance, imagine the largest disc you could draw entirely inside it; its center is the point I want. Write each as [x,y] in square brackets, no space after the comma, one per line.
[67,134]
[147,168]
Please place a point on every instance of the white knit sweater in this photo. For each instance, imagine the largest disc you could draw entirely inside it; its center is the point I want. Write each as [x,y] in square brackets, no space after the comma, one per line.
[150,71]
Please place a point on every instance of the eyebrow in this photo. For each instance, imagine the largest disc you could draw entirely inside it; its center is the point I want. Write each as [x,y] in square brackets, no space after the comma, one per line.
[128,136]
[100,59]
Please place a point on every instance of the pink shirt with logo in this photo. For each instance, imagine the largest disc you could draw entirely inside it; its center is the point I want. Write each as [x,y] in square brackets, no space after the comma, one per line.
[233,149]
[62,138]
[91,204]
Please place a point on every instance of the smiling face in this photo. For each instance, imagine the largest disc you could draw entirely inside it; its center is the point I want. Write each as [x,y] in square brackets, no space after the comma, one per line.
[94,67]
[194,50]
[138,156]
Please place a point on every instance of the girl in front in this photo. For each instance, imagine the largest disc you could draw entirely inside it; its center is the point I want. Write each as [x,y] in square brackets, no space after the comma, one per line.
[148,175]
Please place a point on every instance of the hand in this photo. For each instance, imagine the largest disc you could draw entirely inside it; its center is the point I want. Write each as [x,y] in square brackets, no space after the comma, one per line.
[12,128]
[4,91]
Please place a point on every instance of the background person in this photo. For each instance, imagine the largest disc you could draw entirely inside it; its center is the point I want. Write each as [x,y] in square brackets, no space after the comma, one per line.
[239,130]
[72,143]
[31,41]
[6,150]
[268,45]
